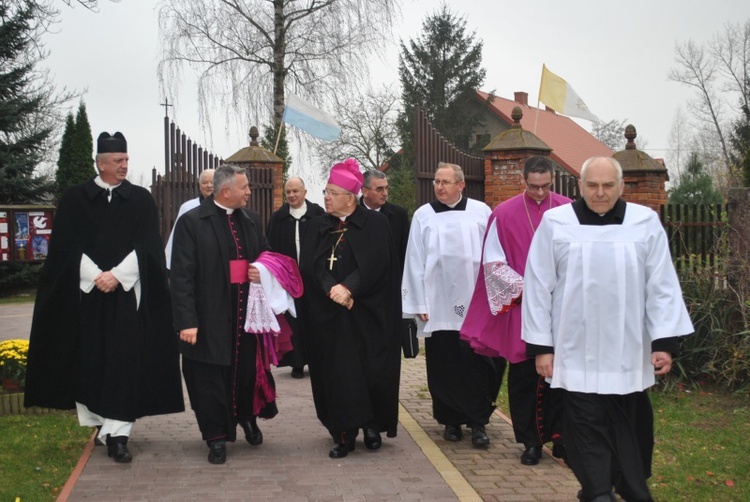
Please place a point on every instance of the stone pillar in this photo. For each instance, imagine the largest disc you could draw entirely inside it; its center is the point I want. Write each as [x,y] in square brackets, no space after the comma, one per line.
[644,177]
[504,158]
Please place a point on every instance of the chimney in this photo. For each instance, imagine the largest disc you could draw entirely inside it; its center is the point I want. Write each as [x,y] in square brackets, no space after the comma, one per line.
[521,97]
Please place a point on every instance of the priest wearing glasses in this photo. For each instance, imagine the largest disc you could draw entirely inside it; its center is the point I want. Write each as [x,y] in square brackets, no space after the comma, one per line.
[493,325]
[442,260]
[350,272]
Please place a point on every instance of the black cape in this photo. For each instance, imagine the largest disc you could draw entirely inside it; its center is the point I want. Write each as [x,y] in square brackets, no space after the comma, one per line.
[96,348]
[280,234]
[354,355]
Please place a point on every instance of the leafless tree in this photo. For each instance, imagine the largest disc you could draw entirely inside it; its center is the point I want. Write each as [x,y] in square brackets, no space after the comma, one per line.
[731,49]
[610,133]
[719,73]
[697,69]
[250,52]
[680,144]
[368,128]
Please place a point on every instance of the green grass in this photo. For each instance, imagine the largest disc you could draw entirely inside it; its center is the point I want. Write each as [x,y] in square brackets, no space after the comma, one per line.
[18,298]
[38,453]
[701,445]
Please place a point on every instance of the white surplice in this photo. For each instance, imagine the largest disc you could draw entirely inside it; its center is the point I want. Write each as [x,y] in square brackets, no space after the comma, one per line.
[442,261]
[600,295]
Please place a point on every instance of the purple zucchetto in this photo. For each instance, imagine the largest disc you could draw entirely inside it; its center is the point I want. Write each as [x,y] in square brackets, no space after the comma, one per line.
[111,143]
[347,175]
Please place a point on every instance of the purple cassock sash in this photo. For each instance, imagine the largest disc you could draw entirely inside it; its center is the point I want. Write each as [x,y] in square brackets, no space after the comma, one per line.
[276,343]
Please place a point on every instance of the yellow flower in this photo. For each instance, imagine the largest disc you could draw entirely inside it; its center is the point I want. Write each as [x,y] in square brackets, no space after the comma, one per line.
[13,355]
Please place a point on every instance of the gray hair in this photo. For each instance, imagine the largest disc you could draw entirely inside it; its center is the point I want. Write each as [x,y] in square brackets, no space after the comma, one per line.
[613,162]
[457,171]
[224,176]
[372,174]
[204,173]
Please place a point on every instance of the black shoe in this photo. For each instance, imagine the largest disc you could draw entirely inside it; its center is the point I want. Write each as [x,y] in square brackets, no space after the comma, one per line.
[253,435]
[453,433]
[344,446]
[217,452]
[531,455]
[373,441]
[119,453]
[479,436]
[298,372]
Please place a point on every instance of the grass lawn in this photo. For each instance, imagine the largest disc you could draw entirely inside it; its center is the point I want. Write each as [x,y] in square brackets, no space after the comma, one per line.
[25,297]
[38,453]
[701,445]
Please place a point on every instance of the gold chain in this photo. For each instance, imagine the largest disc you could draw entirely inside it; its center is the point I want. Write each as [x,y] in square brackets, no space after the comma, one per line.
[526,207]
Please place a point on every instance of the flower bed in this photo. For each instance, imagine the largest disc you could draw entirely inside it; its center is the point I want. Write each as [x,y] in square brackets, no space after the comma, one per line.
[13,354]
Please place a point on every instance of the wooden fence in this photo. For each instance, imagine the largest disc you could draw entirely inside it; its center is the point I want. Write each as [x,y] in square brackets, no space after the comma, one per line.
[184,160]
[696,234]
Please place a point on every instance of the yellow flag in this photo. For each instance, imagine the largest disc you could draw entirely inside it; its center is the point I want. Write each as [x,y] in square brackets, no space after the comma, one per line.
[556,93]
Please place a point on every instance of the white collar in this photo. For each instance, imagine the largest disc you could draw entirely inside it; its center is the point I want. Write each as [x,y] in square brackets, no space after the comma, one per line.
[229,210]
[99,181]
[453,206]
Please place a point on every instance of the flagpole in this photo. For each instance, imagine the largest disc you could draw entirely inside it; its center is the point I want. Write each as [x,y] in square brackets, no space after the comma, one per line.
[278,136]
[539,95]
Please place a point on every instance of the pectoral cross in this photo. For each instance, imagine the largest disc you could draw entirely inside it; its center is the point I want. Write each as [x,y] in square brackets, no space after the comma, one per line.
[333,258]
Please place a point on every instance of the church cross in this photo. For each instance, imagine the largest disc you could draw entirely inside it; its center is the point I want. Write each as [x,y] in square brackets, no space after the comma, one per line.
[166,106]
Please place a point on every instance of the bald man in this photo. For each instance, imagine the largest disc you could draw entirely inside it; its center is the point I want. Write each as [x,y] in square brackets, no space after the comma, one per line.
[284,230]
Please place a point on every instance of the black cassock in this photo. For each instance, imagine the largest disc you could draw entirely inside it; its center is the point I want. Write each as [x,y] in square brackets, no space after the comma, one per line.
[280,234]
[97,348]
[354,355]
[220,369]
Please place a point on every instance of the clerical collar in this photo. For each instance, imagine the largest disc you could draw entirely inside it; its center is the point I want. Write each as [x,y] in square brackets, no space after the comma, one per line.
[586,216]
[460,205]
[99,181]
[229,210]
[368,207]
[298,212]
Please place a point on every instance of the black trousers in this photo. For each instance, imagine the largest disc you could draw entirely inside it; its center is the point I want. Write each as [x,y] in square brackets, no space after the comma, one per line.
[609,441]
[221,396]
[535,408]
[463,384]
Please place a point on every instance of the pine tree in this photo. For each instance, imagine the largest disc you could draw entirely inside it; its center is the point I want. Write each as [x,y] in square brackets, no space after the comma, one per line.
[695,186]
[440,71]
[22,133]
[84,146]
[75,163]
[64,162]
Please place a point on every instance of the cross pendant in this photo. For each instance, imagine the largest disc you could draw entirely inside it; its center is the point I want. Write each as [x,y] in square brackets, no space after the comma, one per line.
[330,261]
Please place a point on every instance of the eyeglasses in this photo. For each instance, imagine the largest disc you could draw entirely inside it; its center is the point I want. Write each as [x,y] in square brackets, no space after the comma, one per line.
[443,183]
[535,188]
[332,193]
[378,189]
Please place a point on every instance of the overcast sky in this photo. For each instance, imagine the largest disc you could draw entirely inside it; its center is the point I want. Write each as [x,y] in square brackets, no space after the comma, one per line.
[616,55]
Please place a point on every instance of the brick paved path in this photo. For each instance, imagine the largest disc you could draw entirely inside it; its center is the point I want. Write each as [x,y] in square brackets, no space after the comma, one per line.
[293,465]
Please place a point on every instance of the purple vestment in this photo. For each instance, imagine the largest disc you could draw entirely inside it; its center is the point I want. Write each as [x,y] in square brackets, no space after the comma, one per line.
[515,220]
